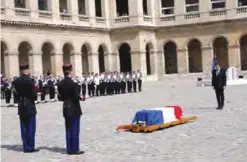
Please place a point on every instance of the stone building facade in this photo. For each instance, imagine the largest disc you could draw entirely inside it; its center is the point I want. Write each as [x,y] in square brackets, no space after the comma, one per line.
[159,37]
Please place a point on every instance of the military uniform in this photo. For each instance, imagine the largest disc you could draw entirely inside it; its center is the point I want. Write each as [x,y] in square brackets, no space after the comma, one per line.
[139,76]
[68,93]
[129,82]
[25,88]
[51,85]
[134,78]
[83,87]
[7,93]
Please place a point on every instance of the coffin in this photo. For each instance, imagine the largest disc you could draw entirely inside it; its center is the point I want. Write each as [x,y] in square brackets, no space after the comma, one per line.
[152,119]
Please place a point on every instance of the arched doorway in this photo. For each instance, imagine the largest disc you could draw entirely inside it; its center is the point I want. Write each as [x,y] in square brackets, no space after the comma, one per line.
[67,50]
[47,50]
[220,48]
[125,58]
[195,56]
[101,52]
[24,51]
[85,50]
[243,49]
[170,53]
[4,50]
[148,62]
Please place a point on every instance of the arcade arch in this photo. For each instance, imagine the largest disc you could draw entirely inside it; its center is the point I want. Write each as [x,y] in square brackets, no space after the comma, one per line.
[170,54]
[125,58]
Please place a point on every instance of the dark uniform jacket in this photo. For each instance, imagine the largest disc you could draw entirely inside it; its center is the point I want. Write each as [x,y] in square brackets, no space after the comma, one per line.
[27,94]
[219,81]
[68,93]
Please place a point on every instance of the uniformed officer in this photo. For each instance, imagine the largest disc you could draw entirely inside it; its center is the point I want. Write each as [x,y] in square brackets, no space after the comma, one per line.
[83,87]
[68,93]
[129,82]
[51,85]
[134,78]
[25,89]
[139,76]
[7,92]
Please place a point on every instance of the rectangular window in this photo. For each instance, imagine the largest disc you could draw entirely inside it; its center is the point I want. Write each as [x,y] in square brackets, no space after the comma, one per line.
[98,10]
[20,4]
[145,7]
[218,4]
[81,7]
[122,7]
[167,7]
[192,5]
[242,3]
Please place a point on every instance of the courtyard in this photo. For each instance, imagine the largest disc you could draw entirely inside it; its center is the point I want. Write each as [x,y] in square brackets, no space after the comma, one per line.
[217,136]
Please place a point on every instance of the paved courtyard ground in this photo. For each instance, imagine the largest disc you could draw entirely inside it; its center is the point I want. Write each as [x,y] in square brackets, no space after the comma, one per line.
[217,136]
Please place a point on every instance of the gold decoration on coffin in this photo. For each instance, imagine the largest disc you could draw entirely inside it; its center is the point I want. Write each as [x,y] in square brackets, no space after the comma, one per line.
[137,128]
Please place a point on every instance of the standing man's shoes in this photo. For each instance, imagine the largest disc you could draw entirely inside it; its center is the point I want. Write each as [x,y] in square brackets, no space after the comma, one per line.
[77,153]
[31,151]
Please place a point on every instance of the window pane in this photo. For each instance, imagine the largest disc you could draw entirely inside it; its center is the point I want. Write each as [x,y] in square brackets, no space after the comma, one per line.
[191,1]
[218,5]
[242,2]
[167,11]
[192,9]
[167,3]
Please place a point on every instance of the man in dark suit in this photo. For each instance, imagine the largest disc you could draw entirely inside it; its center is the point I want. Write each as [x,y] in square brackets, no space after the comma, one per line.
[219,84]
[25,89]
[68,93]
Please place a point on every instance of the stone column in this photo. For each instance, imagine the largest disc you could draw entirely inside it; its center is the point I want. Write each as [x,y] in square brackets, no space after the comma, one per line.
[135,11]
[138,61]
[115,62]
[160,61]
[55,10]
[234,56]
[153,63]
[106,12]
[57,63]
[73,5]
[35,61]
[93,61]
[90,10]
[182,60]
[76,61]
[179,10]
[33,7]
[9,8]
[204,6]
[11,59]
[230,6]
[207,58]
[108,62]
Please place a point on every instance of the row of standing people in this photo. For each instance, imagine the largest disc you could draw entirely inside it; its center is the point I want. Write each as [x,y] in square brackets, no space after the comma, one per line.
[107,83]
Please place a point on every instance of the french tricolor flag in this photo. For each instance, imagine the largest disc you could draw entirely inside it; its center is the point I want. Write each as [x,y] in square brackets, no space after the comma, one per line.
[152,119]
[157,116]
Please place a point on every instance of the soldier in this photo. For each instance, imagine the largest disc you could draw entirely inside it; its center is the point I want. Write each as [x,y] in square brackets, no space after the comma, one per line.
[92,84]
[134,79]
[89,89]
[83,86]
[97,82]
[51,85]
[123,86]
[139,77]
[129,82]
[25,89]
[42,86]
[118,84]
[2,88]
[68,93]
[7,92]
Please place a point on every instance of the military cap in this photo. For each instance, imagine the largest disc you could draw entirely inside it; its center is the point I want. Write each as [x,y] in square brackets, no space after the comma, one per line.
[24,67]
[67,67]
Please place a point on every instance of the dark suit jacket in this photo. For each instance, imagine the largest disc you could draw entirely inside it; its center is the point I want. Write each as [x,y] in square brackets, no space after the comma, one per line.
[68,93]
[27,94]
[219,81]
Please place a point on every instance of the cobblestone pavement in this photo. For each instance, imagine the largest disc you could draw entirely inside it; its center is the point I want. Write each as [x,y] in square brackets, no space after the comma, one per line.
[217,136]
